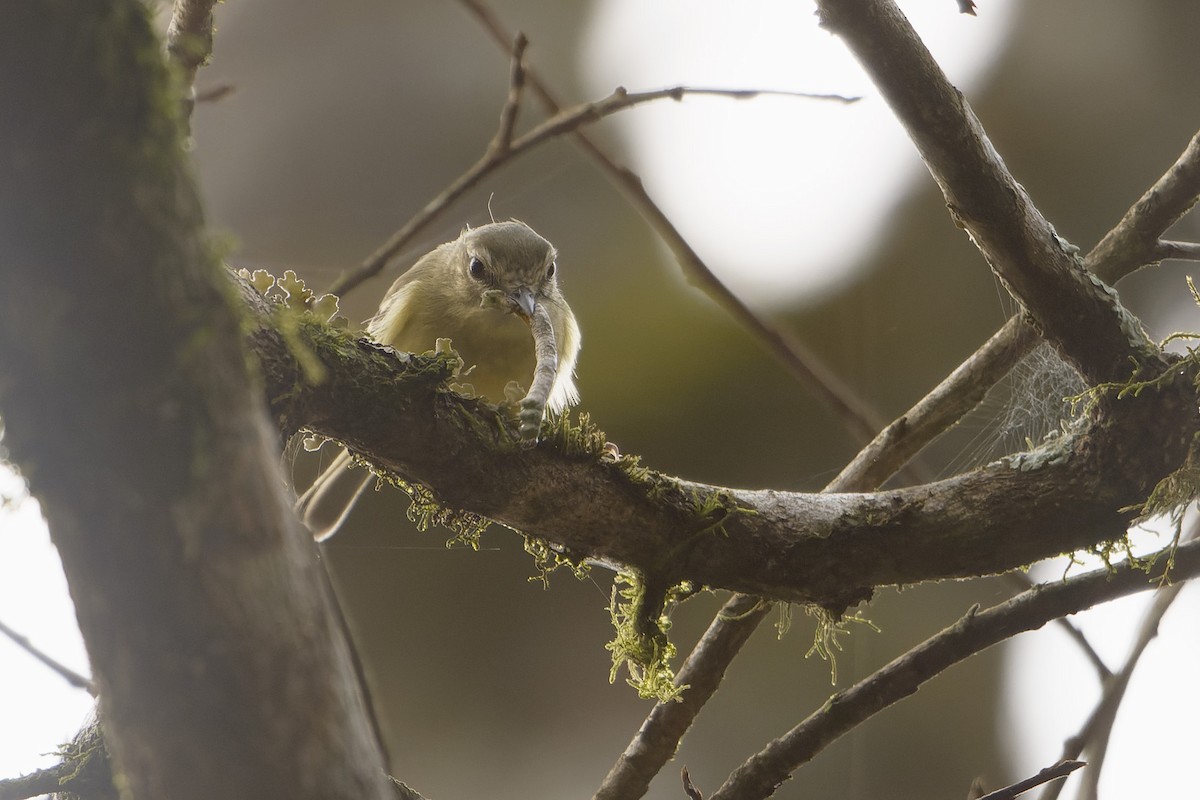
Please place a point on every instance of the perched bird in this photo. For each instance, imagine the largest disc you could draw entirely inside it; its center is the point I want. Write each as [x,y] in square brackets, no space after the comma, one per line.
[450,293]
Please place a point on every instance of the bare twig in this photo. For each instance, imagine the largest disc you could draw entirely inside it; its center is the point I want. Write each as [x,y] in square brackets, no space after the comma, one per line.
[1134,241]
[69,675]
[512,104]
[1094,734]
[859,418]
[190,42]
[1177,251]
[36,784]
[1060,770]
[1025,583]
[690,788]
[563,123]
[760,775]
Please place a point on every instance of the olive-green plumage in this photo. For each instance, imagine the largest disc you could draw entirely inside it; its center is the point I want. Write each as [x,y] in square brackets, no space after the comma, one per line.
[442,297]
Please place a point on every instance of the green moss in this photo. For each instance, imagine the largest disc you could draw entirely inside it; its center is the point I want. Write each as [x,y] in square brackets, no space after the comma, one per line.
[583,439]
[426,511]
[716,508]
[1174,493]
[827,635]
[548,559]
[640,612]
[86,770]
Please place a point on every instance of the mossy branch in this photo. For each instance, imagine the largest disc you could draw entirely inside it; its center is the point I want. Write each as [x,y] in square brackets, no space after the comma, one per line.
[576,494]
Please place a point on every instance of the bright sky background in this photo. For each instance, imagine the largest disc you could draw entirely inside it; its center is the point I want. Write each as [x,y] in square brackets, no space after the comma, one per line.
[778,194]
[732,175]
[38,709]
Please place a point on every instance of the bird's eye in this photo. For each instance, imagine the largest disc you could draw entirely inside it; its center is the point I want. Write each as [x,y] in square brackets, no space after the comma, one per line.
[550,269]
[477,269]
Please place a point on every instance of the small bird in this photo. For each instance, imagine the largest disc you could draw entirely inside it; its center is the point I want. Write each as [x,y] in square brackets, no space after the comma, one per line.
[449,294]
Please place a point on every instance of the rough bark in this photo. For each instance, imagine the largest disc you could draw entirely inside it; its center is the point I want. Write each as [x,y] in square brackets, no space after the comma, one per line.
[832,549]
[222,663]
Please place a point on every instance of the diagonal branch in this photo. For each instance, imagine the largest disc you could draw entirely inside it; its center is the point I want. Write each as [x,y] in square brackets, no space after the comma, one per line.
[762,774]
[1052,773]
[69,675]
[512,104]
[1079,315]
[561,124]
[1127,246]
[657,739]
[1133,243]
[190,43]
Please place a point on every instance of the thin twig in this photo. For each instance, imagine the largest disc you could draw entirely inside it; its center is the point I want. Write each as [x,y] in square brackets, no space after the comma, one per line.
[690,788]
[1105,674]
[190,42]
[1167,250]
[562,123]
[859,418]
[69,675]
[1134,241]
[512,104]
[41,782]
[1060,770]
[760,775]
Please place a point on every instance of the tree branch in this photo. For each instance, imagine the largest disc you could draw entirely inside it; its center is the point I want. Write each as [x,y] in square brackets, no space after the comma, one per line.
[190,43]
[561,124]
[763,773]
[1134,242]
[69,675]
[1079,315]
[222,664]
[1060,770]
[1177,251]
[825,548]
[512,104]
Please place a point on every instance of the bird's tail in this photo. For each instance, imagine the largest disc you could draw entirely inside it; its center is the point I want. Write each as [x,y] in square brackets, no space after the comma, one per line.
[326,504]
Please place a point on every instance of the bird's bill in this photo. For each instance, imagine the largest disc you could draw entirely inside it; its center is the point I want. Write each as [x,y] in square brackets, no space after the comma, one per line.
[523,302]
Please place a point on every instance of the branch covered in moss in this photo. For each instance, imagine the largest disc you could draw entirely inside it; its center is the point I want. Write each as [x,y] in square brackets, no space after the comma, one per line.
[831,549]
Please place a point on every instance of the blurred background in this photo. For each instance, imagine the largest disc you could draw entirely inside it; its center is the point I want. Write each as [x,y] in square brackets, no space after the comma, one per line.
[345,119]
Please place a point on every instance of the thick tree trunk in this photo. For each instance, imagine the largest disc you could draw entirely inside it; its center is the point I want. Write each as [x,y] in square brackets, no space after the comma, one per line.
[223,666]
